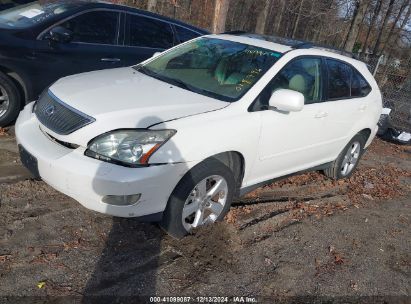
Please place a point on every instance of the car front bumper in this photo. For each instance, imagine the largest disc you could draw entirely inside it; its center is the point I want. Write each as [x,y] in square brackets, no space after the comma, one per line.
[88,180]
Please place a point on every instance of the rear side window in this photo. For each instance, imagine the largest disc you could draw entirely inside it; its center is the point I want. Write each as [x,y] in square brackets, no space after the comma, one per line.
[99,27]
[185,34]
[148,32]
[359,86]
[339,80]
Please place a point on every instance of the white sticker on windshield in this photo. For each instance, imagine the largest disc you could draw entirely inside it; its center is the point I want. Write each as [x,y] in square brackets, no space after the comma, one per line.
[31,13]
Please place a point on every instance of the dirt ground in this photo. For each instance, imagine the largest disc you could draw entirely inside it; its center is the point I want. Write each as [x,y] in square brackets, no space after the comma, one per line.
[303,239]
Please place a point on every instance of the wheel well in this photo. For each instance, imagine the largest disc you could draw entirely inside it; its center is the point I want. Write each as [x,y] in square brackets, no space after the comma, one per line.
[366,133]
[235,161]
[13,76]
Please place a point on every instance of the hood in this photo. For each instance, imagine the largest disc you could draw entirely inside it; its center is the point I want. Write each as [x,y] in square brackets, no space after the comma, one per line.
[126,98]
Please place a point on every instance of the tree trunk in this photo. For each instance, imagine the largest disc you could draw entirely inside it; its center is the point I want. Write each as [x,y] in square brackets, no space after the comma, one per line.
[309,25]
[151,5]
[362,21]
[297,21]
[220,15]
[394,24]
[355,25]
[384,24]
[280,18]
[374,18]
[262,18]
[344,42]
[397,35]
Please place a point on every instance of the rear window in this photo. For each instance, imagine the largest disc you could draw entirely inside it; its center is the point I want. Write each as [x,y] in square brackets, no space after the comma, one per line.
[31,14]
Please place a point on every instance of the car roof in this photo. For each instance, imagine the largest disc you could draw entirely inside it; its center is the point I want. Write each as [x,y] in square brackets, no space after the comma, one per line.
[284,45]
[85,4]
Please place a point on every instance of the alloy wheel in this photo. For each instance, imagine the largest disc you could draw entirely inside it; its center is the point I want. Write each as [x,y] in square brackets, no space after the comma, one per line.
[4,101]
[205,202]
[351,158]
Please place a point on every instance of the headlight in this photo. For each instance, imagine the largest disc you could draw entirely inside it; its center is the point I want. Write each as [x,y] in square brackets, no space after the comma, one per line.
[131,148]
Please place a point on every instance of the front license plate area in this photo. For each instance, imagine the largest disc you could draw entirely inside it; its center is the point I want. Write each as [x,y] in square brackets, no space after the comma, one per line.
[29,161]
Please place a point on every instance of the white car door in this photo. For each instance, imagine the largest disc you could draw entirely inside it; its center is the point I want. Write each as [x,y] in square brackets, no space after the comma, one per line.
[293,141]
[345,103]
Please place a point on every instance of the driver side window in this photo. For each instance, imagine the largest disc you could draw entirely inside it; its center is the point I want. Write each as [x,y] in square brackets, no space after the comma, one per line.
[302,75]
[98,27]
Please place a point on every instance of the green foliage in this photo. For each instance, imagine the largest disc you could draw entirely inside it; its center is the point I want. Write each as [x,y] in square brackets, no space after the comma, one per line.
[357,47]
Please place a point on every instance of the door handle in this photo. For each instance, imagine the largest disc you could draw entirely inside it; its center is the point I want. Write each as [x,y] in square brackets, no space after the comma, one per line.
[362,107]
[321,114]
[111,59]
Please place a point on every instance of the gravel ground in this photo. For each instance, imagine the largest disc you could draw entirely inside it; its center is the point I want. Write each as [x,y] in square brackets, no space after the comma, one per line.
[304,239]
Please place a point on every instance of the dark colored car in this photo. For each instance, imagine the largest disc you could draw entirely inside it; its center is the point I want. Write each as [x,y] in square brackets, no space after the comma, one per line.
[5,4]
[46,40]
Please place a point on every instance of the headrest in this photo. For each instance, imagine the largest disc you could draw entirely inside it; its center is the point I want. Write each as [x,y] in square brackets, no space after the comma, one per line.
[297,83]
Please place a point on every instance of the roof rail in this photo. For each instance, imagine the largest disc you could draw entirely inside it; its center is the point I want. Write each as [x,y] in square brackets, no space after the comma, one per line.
[236,32]
[303,45]
[293,43]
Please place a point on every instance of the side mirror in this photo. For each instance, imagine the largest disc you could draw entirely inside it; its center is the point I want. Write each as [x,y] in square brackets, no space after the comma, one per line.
[60,34]
[287,100]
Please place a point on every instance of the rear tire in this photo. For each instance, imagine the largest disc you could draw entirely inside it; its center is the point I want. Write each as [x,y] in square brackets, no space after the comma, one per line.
[10,100]
[347,161]
[174,222]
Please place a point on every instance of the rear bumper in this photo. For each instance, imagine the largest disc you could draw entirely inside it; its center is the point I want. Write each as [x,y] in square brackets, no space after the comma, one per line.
[88,180]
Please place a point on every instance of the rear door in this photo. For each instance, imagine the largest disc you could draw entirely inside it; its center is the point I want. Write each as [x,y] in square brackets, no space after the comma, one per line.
[344,104]
[95,46]
[145,36]
[184,34]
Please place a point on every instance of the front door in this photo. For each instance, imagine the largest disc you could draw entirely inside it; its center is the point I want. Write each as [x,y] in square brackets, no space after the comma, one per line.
[95,46]
[293,141]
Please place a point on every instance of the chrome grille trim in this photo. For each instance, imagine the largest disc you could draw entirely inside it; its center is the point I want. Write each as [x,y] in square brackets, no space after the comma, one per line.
[58,116]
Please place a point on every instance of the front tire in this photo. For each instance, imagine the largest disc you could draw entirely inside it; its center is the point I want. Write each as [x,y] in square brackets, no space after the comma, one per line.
[202,197]
[347,161]
[10,100]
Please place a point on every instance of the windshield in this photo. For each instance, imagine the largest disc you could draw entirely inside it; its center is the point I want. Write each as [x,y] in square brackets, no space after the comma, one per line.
[218,68]
[24,16]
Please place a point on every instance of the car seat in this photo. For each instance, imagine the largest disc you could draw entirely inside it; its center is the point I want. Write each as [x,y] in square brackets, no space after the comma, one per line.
[298,83]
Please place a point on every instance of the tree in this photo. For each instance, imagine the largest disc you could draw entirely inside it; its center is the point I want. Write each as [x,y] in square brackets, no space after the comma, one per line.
[397,35]
[263,18]
[384,24]
[151,5]
[220,15]
[280,17]
[359,12]
[297,21]
[374,17]
[394,24]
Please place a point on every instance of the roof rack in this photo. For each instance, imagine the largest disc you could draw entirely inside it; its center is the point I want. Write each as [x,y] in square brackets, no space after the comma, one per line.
[333,50]
[303,45]
[236,32]
[293,43]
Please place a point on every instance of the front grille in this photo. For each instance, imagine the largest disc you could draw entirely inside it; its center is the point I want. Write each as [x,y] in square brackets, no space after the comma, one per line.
[59,117]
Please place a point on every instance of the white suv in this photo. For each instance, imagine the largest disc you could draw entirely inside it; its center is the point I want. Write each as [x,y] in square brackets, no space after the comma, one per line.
[178,136]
